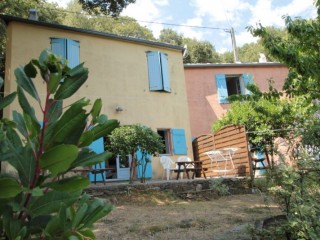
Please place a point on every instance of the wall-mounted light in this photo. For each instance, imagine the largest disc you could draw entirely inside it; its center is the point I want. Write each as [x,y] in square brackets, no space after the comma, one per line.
[119,109]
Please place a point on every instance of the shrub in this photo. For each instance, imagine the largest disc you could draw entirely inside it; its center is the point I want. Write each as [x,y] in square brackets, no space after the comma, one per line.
[35,201]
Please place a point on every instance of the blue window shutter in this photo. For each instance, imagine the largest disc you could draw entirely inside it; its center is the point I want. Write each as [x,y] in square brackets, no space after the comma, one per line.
[179,141]
[222,88]
[154,71]
[73,53]
[247,79]
[58,47]
[165,72]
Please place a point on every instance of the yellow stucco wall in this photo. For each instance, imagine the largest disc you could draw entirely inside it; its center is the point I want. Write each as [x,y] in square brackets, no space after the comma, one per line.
[118,74]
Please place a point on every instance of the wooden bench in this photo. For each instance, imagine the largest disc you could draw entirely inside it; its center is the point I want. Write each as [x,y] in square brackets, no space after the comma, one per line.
[94,172]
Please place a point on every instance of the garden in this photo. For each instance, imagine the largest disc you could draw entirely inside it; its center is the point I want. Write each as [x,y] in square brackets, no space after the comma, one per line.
[37,203]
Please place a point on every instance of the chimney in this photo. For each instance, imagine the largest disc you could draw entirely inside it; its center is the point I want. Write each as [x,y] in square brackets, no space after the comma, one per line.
[33,14]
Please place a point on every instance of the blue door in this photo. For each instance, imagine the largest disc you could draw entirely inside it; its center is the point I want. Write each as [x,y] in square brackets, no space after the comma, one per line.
[144,161]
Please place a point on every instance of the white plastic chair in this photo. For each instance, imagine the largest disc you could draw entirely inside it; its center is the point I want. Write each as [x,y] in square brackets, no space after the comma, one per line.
[166,164]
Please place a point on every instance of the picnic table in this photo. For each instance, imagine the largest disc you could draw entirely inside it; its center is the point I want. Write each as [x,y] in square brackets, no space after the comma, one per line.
[94,171]
[184,166]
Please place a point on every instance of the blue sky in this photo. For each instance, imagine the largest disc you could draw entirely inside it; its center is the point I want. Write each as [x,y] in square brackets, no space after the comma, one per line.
[222,14]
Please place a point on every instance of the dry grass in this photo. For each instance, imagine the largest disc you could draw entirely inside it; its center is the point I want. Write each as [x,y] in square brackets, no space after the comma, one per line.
[158,215]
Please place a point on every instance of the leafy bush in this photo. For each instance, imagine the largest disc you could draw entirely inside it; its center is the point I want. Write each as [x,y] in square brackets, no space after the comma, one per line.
[129,139]
[218,186]
[35,201]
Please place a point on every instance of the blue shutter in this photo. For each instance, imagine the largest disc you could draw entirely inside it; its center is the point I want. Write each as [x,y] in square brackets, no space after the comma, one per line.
[58,47]
[179,141]
[165,72]
[98,147]
[154,71]
[73,53]
[222,88]
[148,173]
[247,79]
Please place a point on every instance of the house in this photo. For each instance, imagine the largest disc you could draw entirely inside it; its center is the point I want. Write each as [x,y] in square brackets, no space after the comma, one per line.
[139,81]
[208,86]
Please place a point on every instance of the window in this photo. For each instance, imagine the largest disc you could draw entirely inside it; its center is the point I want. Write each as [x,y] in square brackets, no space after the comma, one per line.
[174,141]
[158,71]
[68,49]
[228,85]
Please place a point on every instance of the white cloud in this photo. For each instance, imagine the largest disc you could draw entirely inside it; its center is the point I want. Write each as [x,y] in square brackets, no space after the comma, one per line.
[221,10]
[61,3]
[268,15]
[146,10]
[192,32]
[245,37]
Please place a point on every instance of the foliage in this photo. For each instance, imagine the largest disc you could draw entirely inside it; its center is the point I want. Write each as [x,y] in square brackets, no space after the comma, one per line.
[35,203]
[200,52]
[109,7]
[299,50]
[170,36]
[124,26]
[218,186]
[21,9]
[197,51]
[296,188]
[265,116]
[127,140]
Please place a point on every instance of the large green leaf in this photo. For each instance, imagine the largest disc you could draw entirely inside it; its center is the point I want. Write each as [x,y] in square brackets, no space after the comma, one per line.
[88,158]
[96,108]
[80,214]
[51,202]
[30,70]
[25,105]
[58,159]
[21,125]
[71,125]
[72,83]
[97,209]
[7,100]
[103,130]
[26,83]
[55,110]
[20,157]
[71,184]
[9,187]
[54,81]
[86,139]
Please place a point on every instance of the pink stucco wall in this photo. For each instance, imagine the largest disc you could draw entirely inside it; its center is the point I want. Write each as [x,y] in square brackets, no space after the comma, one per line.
[204,107]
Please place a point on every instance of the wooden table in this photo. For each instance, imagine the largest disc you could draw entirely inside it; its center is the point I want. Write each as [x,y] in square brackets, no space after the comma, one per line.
[94,172]
[222,155]
[183,167]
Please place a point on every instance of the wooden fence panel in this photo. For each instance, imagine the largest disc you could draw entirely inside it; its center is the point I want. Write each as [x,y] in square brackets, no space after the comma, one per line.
[231,136]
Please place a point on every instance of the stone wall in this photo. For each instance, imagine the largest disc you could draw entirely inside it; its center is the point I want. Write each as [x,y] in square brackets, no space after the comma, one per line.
[236,186]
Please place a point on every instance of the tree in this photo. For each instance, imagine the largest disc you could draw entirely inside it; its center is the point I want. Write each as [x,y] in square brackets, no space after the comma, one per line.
[299,50]
[35,201]
[227,57]
[124,26]
[128,140]
[200,52]
[48,12]
[108,7]
[197,51]
[170,36]
[266,116]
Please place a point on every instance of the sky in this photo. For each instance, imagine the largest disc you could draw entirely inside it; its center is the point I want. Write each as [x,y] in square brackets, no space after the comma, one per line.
[216,17]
